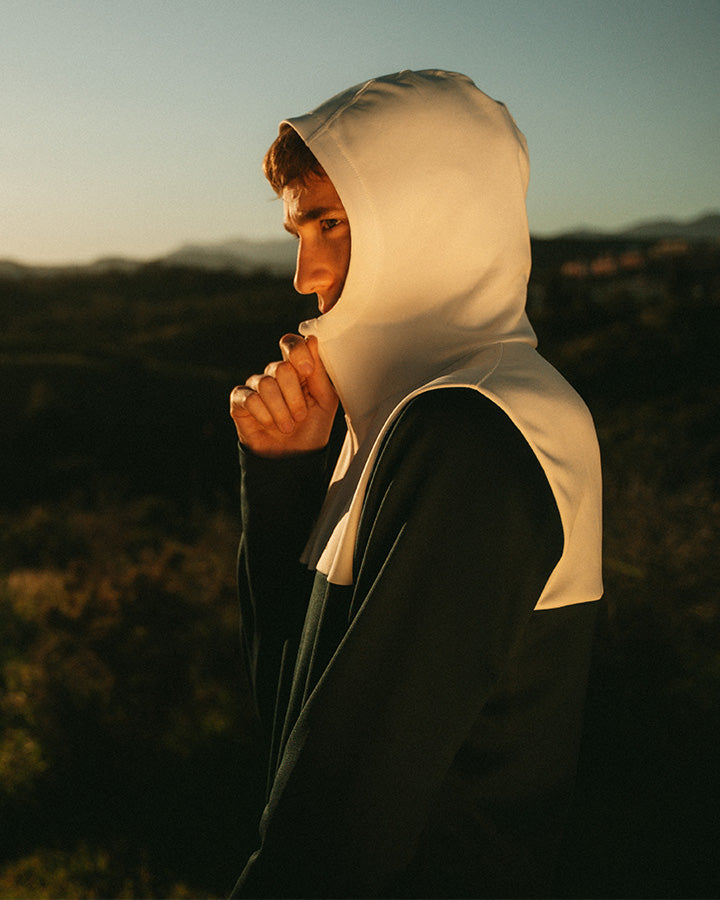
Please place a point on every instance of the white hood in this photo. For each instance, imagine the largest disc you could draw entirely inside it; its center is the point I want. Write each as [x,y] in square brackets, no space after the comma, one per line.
[433,175]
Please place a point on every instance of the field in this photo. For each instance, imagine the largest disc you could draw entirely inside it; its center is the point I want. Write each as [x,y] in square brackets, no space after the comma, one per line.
[130,764]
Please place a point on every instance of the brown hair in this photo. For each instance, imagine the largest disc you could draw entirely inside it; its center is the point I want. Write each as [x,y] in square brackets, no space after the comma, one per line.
[289,158]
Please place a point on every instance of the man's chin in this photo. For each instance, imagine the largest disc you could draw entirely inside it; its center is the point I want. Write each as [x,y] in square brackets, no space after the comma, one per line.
[325,304]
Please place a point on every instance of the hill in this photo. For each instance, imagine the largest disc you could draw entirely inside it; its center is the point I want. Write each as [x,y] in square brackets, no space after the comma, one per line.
[705,227]
[123,703]
[277,257]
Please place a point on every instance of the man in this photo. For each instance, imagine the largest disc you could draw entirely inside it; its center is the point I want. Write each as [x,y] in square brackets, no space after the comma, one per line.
[418,625]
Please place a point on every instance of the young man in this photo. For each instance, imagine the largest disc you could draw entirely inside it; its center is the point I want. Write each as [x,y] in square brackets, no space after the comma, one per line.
[418,624]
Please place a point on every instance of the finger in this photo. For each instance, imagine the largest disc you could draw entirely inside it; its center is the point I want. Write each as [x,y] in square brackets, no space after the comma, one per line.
[248,410]
[319,384]
[295,351]
[238,398]
[290,386]
[246,424]
[305,358]
[269,406]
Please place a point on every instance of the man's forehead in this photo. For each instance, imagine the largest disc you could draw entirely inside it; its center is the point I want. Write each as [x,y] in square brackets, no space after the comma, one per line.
[310,199]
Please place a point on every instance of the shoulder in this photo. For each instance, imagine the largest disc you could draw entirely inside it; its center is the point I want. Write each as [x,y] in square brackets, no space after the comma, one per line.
[460,425]
[455,403]
[455,468]
[454,446]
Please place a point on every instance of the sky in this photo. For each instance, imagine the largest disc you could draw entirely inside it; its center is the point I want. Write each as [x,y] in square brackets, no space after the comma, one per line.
[132,127]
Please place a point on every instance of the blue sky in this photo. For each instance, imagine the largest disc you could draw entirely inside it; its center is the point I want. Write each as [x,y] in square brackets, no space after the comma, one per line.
[130,127]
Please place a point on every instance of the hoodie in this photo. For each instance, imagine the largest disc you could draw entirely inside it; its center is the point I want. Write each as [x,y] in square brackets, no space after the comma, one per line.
[421,675]
[433,174]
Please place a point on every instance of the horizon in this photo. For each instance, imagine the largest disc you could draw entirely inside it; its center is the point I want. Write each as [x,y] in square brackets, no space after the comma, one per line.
[580,232]
[136,129]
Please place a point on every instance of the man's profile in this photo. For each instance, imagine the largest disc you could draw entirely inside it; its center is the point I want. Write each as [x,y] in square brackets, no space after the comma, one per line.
[417,611]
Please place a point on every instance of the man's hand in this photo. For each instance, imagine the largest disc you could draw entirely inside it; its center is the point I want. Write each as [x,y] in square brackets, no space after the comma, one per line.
[290,408]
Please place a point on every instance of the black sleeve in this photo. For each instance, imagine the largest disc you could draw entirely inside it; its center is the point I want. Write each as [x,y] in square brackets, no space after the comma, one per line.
[280,500]
[458,535]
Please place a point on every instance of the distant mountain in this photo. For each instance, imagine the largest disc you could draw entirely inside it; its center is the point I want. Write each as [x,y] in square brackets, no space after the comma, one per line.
[702,228]
[277,257]
[11,270]
[274,256]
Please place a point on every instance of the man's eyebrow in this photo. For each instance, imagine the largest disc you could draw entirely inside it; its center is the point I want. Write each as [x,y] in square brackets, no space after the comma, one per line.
[309,215]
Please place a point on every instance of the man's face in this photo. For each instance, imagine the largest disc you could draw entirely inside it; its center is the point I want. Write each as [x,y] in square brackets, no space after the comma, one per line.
[314,213]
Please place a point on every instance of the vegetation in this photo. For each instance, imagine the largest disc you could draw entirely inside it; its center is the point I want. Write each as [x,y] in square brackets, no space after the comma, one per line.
[130,763]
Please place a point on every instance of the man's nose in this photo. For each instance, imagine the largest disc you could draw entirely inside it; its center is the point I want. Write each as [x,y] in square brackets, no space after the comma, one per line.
[312,272]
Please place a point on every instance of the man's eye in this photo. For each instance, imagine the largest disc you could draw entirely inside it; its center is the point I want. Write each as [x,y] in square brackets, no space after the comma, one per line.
[329,224]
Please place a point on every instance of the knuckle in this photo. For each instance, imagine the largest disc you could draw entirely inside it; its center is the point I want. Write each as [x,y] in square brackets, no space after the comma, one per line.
[258,383]
[238,396]
[291,345]
[277,369]
[291,340]
[265,383]
[285,371]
